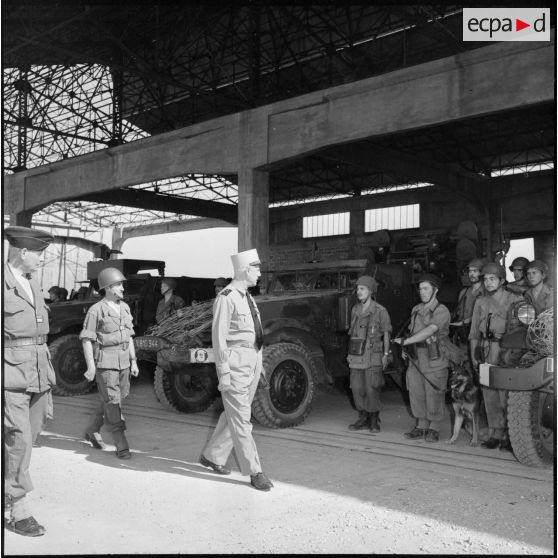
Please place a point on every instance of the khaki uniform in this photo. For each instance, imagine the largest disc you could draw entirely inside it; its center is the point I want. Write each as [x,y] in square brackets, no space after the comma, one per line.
[166,308]
[428,402]
[490,320]
[518,287]
[239,365]
[543,302]
[110,333]
[465,304]
[367,379]
[28,377]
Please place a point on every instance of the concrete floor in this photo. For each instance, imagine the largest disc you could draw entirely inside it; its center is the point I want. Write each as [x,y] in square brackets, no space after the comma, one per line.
[335,491]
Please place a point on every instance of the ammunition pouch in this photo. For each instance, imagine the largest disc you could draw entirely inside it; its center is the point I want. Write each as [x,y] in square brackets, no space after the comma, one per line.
[357,346]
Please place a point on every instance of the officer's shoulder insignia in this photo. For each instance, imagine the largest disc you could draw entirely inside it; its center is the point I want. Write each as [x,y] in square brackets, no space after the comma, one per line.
[225,292]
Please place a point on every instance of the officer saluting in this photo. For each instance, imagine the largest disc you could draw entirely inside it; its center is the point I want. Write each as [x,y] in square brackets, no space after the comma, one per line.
[237,338]
[28,373]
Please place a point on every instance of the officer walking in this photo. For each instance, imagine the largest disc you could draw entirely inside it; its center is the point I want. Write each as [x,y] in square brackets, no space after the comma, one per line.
[427,374]
[466,301]
[519,285]
[28,373]
[110,355]
[539,294]
[368,353]
[237,338]
[489,323]
[170,302]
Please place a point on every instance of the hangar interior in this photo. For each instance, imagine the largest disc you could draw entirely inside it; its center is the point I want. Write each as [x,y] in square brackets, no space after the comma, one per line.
[148,118]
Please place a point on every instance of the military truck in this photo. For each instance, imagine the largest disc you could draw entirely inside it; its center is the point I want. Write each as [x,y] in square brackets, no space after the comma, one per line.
[142,293]
[527,371]
[305,314]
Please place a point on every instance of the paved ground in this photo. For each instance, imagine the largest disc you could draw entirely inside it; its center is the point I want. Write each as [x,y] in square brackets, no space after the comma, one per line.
[335,491]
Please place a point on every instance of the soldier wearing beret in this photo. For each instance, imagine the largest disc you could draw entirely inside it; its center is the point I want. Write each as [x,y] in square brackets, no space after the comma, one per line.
[368,353]
[539,294]
[28,372]
[237,338]
[170,302]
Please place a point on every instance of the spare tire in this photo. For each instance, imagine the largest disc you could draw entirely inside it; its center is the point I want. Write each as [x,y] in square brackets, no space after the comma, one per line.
[291,376]
[66,354]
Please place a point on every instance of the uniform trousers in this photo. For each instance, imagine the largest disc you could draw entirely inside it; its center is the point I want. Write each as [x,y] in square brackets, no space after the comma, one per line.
[25,414]
[366,386]
[427,403]
[234,429]
[495,400]
[113,386]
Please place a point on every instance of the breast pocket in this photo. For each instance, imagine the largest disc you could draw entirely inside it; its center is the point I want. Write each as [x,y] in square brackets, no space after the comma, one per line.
[109,324]
[244,319]
[13,305]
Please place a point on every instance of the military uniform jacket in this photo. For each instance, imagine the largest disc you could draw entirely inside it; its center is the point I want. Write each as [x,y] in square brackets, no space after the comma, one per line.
[233,325]
[27,367]
[499,311]
[466,302]
[543,302]
[166,308]
[110,332]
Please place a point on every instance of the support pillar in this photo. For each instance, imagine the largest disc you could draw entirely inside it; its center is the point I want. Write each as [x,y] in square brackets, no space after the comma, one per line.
[21,219]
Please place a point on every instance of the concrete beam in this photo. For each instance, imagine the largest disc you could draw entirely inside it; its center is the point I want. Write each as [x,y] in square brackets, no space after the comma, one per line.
[495,78]
[144,199]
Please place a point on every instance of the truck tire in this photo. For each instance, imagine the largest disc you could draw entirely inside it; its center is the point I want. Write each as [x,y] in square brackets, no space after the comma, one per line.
[66,354]
[185,393]
[531,433]
[292,376]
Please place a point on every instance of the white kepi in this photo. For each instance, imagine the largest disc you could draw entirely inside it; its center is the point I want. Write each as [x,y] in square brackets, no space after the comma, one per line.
[243,259]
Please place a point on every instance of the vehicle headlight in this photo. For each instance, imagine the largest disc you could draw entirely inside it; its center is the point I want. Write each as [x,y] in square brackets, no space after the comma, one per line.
[526,313]
[150,343]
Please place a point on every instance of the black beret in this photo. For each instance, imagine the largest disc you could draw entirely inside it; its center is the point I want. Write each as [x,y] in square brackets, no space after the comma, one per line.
[24,237]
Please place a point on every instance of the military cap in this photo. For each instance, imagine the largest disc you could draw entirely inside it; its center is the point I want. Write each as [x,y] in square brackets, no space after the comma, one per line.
[434,280]
[537,264]
[24,237]
[368,281]
[220,282]
[246,258]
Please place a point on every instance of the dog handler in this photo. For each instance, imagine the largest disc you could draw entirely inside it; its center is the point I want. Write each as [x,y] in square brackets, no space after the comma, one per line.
[490,320]
[237,338]
[427,374]
[28,374]
[368,353]
[110,356]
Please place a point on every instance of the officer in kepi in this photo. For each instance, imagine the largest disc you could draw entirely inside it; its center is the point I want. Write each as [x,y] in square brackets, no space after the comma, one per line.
[110,355]
[427,374]
[28,373]
[237,338]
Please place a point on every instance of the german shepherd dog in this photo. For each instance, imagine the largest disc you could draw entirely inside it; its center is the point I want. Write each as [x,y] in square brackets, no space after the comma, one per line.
[466,400]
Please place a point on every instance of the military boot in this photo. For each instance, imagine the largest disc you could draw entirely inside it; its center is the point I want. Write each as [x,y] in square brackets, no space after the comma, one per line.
[122,447]
[375,422]
[361,422]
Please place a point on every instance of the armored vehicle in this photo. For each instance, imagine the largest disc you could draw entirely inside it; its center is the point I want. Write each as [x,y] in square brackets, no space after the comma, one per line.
[527,371]
[142,293]
[305,315]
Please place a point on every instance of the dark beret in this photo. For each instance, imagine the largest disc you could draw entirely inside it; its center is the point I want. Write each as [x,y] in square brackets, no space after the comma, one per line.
[24,237]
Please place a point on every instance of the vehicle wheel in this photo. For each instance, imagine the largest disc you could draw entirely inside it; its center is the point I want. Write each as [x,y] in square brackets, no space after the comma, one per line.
[292,376]
[185,393]
[66,354]
[530,423]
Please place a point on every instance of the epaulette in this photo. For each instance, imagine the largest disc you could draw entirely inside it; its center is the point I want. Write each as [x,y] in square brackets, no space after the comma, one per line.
[225,292]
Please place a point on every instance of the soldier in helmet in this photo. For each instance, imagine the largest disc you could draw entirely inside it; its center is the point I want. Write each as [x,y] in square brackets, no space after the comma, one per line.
[368,353]
[220,283]
[170,302]
[519,284]
[490,321]
[539,294]
[110,355]
[466,301]
[427,374]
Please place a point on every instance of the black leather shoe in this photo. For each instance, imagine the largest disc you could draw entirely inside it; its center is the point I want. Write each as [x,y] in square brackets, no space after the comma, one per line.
[491,443]
[415,433]
[95,439]
[219,469]
[505,445]
[123,454]
[432,435]
[27,527]
[260,482]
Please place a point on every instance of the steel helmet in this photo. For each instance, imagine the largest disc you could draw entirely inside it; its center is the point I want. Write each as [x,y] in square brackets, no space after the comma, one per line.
[476,262]
[367,281]
[220,282]
[109,276]
[494,269]
[537,264]
[170,282]
[519,262]
[434,280]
